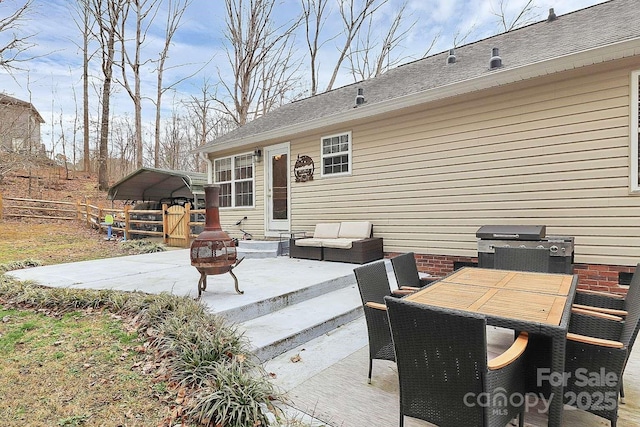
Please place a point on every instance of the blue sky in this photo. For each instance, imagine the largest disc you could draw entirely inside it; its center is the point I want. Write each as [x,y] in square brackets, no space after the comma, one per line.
[55,74]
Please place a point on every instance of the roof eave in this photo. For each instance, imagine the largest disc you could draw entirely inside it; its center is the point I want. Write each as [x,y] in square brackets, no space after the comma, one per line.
[491,79]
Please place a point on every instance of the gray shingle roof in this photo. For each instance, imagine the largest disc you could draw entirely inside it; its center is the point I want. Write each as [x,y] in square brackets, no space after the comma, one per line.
[598,26]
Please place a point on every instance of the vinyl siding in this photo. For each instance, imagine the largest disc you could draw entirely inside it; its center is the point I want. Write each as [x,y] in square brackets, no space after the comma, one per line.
[551,151]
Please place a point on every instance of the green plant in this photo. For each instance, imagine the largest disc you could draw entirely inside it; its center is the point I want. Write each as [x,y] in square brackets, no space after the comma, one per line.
[234,396]
[143,246]
[18,265]
[75,420]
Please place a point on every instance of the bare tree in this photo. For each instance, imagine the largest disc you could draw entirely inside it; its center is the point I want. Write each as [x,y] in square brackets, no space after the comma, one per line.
[85,22]
[108,14]
[14,44]
[144,14]
[314,17]
[175,11]
[524,16]
[259,54]
[369,56]
[200,108]
[354,13]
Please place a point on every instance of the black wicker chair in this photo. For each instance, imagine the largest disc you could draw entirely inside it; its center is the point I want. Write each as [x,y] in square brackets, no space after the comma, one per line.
[443,370]
[406,272]
[606,302]
[595,344]
[522,259]
[373,284]
[538,354]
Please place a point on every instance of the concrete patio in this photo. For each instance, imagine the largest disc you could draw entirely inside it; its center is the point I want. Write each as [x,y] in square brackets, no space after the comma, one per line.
[304,320]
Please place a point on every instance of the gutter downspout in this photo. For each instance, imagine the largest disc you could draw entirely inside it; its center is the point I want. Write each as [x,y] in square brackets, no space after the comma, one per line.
[206,158]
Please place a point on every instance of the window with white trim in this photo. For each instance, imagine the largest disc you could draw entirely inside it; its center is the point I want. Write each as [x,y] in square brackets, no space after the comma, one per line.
[235,177]
[634,128]
[336,154]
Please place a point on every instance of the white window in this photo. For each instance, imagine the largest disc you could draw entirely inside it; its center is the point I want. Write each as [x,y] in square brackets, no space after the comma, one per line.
[336,154]
[634,128]
[235,177]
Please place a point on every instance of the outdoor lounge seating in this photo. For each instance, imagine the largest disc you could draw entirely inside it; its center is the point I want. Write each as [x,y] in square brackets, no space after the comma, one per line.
[373,284]
[443,372]
[347,241]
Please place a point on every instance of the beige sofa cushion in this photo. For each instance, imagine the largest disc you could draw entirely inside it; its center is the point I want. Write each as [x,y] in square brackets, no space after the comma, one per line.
[327,230]
[355,230]
[309,242]
[338,243]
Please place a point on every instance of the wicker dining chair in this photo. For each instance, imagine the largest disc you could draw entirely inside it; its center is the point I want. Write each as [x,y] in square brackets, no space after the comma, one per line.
[595,344]
[522,259]
[607,302]
[373,284]
[443,369]
[609,305]
[406,271]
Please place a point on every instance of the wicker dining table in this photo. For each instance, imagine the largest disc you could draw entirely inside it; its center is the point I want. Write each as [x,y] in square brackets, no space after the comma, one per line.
[524,301]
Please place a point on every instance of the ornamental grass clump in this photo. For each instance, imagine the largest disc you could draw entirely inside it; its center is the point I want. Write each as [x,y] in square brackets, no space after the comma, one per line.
[232,396]
[135,247]
[18,265]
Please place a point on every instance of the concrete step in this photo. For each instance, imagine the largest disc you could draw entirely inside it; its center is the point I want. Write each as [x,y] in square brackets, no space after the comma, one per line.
[273,334]
[255,309]
[258,248]
[300,363]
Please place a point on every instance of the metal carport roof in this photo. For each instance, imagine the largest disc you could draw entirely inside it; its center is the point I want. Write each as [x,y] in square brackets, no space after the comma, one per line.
[151,184]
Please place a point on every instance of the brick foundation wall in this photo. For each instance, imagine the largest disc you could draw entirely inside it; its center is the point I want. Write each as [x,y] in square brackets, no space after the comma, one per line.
[599,277]
[596,277]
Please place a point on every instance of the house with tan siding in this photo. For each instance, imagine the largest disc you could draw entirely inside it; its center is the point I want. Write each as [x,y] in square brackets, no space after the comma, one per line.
[19,125]
[538,125]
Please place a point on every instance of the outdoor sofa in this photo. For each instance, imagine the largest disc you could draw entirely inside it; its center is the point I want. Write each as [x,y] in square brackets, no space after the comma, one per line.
[347,241]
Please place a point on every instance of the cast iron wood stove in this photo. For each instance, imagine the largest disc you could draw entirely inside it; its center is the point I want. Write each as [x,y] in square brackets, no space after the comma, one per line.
[213,251]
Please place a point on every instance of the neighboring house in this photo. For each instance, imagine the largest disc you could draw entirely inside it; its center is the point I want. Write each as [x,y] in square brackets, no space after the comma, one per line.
[19,125]
[436,148]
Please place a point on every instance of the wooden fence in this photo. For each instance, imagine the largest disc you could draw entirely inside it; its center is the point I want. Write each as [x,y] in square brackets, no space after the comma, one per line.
[176,225]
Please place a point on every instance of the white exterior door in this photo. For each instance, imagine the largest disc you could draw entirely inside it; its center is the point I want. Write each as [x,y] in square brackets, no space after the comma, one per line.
[277,184]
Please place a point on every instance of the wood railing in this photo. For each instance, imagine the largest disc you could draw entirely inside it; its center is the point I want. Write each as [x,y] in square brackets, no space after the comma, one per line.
[128,222]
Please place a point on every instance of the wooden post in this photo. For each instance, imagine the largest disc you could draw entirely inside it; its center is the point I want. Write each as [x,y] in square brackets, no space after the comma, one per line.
[88,214]
[1,206]
[165,224]
[127,216]
[187,225]
[78,213]
[100,216]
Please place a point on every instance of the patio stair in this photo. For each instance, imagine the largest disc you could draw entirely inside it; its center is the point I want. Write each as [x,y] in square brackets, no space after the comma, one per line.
[277,325]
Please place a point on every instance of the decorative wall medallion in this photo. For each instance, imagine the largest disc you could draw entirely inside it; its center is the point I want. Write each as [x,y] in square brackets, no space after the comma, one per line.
[303,169]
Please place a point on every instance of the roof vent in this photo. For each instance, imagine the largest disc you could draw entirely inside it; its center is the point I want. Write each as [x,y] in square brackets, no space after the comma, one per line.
[360,97]
[496,61]
[552,15]
[451,59]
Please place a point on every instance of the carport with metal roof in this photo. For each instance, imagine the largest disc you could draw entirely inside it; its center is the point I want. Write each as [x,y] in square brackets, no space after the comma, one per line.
[159,185]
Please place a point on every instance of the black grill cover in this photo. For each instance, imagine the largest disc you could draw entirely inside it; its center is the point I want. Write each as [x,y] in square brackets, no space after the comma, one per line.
[511,232]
